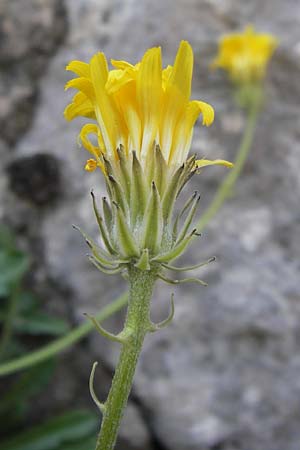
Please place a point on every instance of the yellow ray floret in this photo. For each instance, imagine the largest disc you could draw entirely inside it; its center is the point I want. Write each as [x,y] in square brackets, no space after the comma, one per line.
[136,106]
[199,163]
[245,55]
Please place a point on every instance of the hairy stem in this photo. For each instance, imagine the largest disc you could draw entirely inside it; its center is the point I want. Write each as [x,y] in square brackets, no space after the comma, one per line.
[136,326]
[227,185]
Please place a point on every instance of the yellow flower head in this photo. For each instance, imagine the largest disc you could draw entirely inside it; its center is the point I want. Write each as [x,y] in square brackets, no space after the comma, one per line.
[245,55]
[137,106]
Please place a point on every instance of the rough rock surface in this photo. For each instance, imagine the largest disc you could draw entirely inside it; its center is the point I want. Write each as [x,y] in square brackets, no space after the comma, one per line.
[225,375]
[28,36]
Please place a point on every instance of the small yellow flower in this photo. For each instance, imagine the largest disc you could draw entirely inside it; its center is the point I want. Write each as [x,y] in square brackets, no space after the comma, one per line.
[245,55]
[137,106]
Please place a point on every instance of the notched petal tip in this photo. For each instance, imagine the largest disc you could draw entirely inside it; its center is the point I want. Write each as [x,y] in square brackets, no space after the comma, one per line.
[80,68]
[207,111]
[208,114]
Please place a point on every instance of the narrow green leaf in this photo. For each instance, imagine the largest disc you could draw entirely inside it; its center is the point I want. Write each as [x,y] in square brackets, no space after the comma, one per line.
[187,173]
[41,323]
[108,167]
[138,195]
[171,193]
[107,214]
[160,170]
[153,223]
[53,434]
[188,220]
[103,231]
[96,250]
[119,195]
[175,251]
[104,269]
[124,172]
[181,213]
[125,236]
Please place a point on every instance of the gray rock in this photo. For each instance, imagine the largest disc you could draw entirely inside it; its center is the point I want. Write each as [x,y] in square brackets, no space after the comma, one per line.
[134,433]
[28,38]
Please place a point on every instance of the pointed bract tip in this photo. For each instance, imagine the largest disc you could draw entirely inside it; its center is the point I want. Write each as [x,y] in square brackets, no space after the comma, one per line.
[88,243]
[111,178]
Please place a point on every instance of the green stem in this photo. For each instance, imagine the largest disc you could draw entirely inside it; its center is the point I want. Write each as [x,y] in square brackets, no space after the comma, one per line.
[136,326]
[227,185]
[61,344]
[9,319]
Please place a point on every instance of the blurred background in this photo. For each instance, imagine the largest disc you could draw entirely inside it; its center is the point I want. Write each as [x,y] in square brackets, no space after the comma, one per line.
[225,374]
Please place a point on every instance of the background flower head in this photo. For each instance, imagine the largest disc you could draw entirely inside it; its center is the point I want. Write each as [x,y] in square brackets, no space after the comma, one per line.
[245,55]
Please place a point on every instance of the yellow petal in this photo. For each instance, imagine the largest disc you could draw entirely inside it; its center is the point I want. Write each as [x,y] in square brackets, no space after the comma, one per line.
[116,80]
[82,84]
[183,132]
[181,75]
[80,106]
[90,128]
[166,73]
[196,107]
[81,68]
[106,112]
[207,162]
[175,98]
[149,91]
[122,65]
[126,100]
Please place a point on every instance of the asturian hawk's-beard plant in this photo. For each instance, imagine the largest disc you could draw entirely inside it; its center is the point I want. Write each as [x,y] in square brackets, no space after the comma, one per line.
[140,137]
[142,127]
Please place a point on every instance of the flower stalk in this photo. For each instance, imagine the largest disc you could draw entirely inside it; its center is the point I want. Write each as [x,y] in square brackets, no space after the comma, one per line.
[227,185]
[61,344]
[136,326]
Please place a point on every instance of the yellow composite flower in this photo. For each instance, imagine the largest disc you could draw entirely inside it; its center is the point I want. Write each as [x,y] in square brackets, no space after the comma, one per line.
[137,107]
[245,55]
